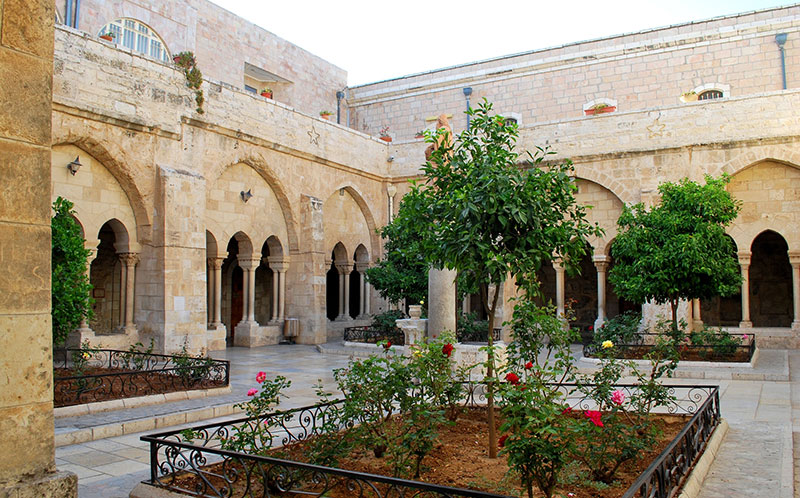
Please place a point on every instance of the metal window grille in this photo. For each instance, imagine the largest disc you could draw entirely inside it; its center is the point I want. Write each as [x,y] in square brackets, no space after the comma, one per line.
[709,95]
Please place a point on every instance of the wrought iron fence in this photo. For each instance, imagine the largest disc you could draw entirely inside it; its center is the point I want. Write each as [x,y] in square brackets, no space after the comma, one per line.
[703,352]
[128,374]
[478,336]
[196,464]
[373,335]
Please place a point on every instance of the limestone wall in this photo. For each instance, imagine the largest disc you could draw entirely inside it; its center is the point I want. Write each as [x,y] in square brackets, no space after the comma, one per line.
[222,43]
[637,71]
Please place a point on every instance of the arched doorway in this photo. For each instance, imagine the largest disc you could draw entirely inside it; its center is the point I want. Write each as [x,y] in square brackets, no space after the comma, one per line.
[580,293]
[337,284]
[107,274]
[770,281]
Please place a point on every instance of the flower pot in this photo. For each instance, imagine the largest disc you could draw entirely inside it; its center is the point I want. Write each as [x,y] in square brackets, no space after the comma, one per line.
[602,110]
[326,117]
[386,139]
[266,94]
[107,38]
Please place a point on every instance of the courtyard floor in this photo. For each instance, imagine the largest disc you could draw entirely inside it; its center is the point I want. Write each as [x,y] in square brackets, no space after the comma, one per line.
[757,459]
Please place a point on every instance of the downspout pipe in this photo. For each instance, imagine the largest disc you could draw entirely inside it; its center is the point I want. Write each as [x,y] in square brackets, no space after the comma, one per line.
[467,93]
[780,39]
[68,16]
[77,12]
[339,97]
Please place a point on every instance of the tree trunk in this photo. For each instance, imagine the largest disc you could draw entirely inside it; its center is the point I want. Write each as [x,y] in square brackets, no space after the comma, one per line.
[490,372]
[674,304]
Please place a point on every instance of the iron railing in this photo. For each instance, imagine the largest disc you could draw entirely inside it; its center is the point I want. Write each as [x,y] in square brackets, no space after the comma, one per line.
[184,462]
[372,335]
[478,336]
[723,352]
[131,374]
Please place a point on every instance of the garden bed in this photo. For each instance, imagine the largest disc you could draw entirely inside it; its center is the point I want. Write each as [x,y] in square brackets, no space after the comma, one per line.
[735,352]
[198,466]
[89,376]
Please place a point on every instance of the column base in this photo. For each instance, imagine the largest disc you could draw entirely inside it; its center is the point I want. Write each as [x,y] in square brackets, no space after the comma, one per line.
[215,337]
[598,324]
[697,324]
[58,484]
[746,325]
[342,318]
[796,325]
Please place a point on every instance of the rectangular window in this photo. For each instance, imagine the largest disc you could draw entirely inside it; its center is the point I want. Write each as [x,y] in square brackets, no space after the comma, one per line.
[248,88]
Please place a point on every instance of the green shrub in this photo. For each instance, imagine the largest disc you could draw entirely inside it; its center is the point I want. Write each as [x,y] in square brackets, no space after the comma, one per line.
[622,329]
[387,319]
[471,329]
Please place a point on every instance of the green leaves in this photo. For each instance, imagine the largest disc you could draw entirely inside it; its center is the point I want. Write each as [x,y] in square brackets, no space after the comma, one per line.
[69,284]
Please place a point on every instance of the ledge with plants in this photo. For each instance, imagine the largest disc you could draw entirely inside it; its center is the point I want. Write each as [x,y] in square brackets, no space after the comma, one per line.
[411,426]
[90,375]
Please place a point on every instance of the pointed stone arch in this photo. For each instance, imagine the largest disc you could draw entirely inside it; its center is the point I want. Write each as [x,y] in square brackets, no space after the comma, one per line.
[606,209]
[373,240]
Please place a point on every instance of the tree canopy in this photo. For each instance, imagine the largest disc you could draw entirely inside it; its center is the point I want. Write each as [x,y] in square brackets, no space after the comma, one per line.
[71,301]
[678,249]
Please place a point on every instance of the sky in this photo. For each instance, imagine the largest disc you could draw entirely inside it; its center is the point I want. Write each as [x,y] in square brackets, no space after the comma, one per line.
[374,40]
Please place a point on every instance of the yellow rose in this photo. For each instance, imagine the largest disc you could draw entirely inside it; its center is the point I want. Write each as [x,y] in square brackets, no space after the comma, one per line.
[607,344]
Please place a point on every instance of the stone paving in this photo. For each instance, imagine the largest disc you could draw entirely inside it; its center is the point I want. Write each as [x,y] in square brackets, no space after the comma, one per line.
[755,460]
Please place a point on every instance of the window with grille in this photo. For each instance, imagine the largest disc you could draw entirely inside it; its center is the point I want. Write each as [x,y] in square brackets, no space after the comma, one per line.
[138,37]
[710,94]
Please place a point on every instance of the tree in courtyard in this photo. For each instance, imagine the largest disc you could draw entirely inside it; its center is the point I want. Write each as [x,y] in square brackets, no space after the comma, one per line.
[482,213]
[677,249]
[71,301]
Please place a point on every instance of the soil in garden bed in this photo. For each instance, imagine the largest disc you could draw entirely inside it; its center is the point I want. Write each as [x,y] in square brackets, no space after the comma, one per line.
[142,383]
[691,354]
[460,459]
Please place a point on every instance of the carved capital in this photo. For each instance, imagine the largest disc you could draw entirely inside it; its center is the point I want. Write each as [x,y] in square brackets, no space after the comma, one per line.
[362,267]
[344,268]
[279,264]
[601,262]
[129,258]
[215,263]
[794,259]
[744,258]
[248,262]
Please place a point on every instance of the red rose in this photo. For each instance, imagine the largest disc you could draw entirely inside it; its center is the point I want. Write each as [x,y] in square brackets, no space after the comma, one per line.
[529,365]
[566,410]
[512,378]
[502,441]
[591,328]
[447,349]
[387,345]
[594,416]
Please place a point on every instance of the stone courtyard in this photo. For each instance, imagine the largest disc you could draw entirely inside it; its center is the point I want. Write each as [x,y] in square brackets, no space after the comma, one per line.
[210,229]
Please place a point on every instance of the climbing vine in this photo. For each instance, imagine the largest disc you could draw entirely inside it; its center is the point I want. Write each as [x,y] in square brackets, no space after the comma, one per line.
[194,78]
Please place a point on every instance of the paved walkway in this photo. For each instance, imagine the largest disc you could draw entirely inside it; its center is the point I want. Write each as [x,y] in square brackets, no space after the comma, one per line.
[756,459]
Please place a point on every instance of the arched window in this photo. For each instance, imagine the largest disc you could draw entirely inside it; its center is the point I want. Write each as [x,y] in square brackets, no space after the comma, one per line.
[138,37]
[710,94]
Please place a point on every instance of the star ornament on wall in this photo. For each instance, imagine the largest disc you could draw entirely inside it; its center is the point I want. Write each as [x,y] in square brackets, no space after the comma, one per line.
[313,135]
[656,129]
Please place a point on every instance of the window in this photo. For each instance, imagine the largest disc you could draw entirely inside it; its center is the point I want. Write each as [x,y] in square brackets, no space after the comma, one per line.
[510,121]
[710,94]
[138,37]
[248,88]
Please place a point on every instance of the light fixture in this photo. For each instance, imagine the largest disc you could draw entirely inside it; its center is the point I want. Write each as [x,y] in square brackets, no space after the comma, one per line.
[246,195]
[341,192]
[75,165]
[467,92]
[390,159]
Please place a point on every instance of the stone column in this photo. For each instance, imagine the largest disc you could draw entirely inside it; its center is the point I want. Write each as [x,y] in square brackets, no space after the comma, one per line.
[84,327]
[123,288]
[249,265]
[363,293]
[275,282]
[697,320]
[794,260]
[27,465]
[367,305]
[559,267]
[601,263]
[279,265]
[441,301]
[744,263]
[129,260]
[215,293]
[344,290]
[209,293]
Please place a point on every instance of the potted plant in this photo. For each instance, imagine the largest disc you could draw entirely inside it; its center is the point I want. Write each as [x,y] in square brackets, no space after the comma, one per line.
[419,134]
[600,109]
[385,134]
[326,115]
[267,92]
[689,96]
[108,36]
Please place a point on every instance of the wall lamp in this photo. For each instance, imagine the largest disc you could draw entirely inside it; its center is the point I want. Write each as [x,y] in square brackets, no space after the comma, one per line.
[75,165]
[246,195]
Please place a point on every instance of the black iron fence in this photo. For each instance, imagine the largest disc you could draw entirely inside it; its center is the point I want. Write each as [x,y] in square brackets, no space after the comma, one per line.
[195,464]
[86,376]
[478,335]
[740,349]
[372,335]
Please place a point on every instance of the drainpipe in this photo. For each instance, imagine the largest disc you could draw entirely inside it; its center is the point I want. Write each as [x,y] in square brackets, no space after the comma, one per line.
[77,12]
[339,97]
[467,93]
[780,39]
[68,16]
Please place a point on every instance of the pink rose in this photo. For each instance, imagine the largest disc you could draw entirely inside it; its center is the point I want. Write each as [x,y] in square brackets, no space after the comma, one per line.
[618,397]
[261,377]
[594,416]
[252,392]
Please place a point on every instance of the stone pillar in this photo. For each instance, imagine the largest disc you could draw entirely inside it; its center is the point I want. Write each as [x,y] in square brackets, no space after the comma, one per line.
[601,263]
[129,260]
[279,265]
[123,288]
[559,267]
[344,270]
[367,304]
[216,335]
[744,263]
[209,293]
[441,301]
[216,267]
[27,465]
[84,327]
[697,320]
[794,260]
[363,304]
[249,264]
[275,282]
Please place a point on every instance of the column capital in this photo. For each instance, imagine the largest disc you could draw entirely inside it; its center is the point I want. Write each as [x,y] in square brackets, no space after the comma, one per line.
[278,264]
[558,264]
[215,263]
[744,257]
[128,258]
[362,266]
[248,262]
[601,262]
[344,268]
[794,258]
